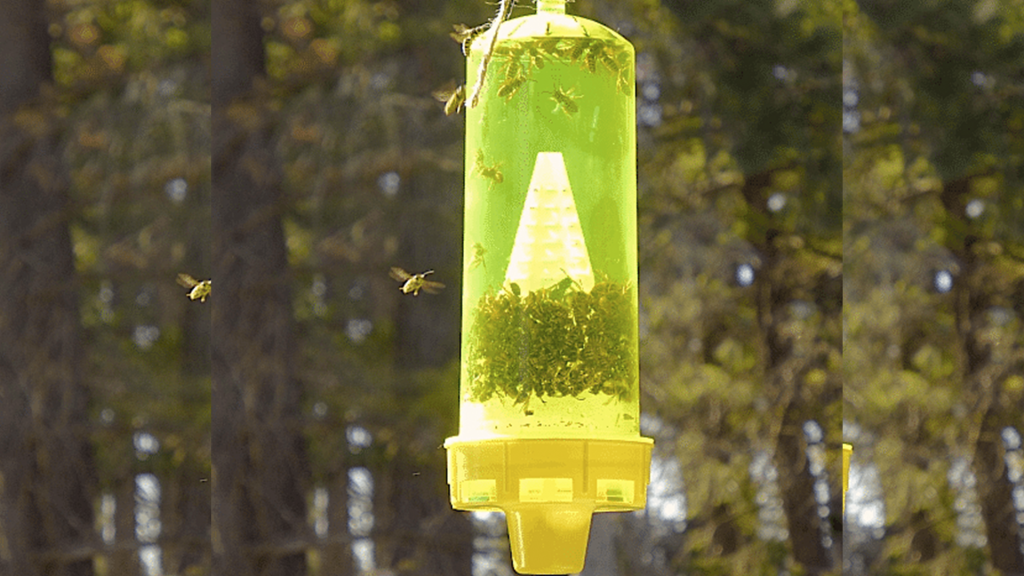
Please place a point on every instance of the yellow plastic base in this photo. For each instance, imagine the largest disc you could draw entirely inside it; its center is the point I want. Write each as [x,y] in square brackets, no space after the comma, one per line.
[548,489]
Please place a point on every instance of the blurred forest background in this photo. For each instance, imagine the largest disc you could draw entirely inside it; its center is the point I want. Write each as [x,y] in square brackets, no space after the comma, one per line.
[933,396]
[332,162]
[299,155]
[104,365]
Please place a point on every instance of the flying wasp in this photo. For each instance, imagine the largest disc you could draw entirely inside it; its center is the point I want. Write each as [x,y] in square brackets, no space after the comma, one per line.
[504,9]
[454,98]
[198,290]
[465,35]
[415,282]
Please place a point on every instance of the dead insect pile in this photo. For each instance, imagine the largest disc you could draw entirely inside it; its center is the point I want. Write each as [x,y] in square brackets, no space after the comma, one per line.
[554,342]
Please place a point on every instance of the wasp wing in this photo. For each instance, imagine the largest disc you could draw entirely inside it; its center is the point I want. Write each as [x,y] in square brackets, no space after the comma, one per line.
[453,97]
[445,92]
[397,273]
[431,287]
[186,281]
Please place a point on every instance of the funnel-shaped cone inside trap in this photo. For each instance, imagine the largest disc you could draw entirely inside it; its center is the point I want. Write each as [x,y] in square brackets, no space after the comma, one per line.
[549,242]
[549,538]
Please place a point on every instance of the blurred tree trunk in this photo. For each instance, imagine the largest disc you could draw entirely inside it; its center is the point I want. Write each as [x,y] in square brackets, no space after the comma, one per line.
[995,492]
[260,465]
[47,474]
[785,367]
[975,293]
[25,54]
[336,553]
[185,518]
[419,533]
[124,559]
[428,332]
[185,507]
[195,356]
[796,484]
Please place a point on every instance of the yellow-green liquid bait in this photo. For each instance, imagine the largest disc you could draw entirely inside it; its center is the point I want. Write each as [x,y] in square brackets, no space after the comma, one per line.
[549,329]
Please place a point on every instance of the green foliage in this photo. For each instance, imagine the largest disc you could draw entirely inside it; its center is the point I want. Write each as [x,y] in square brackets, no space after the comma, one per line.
[130,83]
[100,43]
[931,185]
[744,171]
